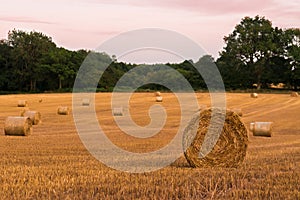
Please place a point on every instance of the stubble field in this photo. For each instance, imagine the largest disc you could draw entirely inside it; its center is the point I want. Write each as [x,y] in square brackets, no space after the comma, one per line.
[52,163]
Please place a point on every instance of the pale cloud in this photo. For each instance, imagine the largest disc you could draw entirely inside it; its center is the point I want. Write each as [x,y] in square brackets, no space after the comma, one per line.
[86,23]
[24,20]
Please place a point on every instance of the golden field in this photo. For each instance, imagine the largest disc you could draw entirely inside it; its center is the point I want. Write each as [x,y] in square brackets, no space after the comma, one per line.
[52,163]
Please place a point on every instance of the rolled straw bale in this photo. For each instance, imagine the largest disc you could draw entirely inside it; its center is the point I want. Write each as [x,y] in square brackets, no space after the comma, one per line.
[22,103]
[34,116]
[18,126]
[253,95]
[40,100]
[157,94]
[238,111]
[159,99]
[118,111]
[85,102]
[294,94]
[262,129]
[63,110]
[231,146]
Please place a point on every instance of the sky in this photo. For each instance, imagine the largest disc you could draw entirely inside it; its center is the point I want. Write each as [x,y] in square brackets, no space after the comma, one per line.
[86,24]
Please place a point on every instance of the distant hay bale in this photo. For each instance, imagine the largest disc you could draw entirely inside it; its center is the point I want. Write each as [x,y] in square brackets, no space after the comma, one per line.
[231,146]
[157,94]
[34,116]
[85,102]
[254,95]
[22,103]
[118,111]
[18,126]
[159,99]
[261,129]
[40,100]
[63,110]
[294,94]
[238,111]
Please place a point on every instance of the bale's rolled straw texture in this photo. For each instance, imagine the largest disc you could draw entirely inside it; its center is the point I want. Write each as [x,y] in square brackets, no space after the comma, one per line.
[63,110]
[85,102]
[159,99]
[231,146]
[18,126]
[22,103]
[253,95]
[34,116]
[263,129]
[294,94]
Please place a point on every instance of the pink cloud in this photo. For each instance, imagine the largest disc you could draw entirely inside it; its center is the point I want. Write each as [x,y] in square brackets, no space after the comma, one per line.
[24,20]
[205,7]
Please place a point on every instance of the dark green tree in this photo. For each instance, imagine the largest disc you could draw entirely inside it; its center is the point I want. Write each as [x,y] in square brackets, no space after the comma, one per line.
[251,45]
[28,51]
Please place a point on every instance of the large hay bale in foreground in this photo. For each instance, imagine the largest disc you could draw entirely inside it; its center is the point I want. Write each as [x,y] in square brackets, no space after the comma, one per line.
[261,129]
[294,94]
[34,116]
[18,126]
[63,110]
[253,95]
[231,146]
[22,103]
[85,102]
[159,99]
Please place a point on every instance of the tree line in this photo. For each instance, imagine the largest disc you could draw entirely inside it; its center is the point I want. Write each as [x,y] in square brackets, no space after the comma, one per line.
[255,54]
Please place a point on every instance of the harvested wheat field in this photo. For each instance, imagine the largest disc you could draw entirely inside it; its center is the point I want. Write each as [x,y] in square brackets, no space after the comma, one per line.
[52,162]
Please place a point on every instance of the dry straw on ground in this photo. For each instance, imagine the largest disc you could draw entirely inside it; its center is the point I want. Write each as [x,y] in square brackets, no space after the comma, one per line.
[34,116]
[231,146]
[253,95]
[261,129]
[85,102]
[22,103]
[238,111]
[294,94]
[18,126]
[63,110]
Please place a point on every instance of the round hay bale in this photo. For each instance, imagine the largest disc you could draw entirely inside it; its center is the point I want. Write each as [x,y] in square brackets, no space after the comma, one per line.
[294,94]
[18,126]
[63,110]
[85,102]
[22,103]
[159,99]
[40,100]
[263,129]
[238,111]
[157,94]
[231,146]
[253,95]
[34,116]
[118,111]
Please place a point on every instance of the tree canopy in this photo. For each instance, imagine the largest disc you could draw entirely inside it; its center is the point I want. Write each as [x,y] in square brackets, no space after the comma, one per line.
[258,53]
[255,53]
